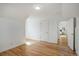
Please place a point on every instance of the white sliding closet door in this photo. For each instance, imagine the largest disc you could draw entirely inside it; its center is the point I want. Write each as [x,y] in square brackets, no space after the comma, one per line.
[44,30]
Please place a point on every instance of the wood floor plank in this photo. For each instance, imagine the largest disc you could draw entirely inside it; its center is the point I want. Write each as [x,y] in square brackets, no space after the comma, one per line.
[39,49]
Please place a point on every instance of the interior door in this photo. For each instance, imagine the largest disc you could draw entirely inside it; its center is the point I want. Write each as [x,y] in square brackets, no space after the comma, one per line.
[44,30]
[70,33]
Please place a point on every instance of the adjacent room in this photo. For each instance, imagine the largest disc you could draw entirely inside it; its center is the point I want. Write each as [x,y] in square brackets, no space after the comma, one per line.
[39,29]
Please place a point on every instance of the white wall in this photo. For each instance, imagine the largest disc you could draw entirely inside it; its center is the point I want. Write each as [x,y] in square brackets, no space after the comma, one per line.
[1,10]
[77,37]
[70,32]
[53,30]
[12,17]
[70,10]
[11,33]
[33,27]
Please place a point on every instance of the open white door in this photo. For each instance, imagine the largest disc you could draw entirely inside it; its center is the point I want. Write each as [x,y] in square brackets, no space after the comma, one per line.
[70,33]
[44,30]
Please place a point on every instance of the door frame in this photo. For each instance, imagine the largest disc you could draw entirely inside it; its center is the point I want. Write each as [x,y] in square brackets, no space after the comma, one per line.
[74,26]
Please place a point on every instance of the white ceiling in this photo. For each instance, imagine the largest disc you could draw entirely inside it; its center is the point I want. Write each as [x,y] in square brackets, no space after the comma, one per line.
[24,10]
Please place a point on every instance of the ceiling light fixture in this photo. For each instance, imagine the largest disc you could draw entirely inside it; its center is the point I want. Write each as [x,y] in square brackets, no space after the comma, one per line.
[37,8]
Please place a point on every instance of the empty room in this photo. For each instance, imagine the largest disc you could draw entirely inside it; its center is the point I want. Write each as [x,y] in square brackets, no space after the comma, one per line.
[39,29]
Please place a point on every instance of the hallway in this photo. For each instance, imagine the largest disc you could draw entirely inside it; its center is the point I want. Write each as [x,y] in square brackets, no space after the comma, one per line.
[35,48]
[63,41]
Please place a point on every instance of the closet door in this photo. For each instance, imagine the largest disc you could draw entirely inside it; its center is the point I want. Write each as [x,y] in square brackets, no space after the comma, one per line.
[44,30]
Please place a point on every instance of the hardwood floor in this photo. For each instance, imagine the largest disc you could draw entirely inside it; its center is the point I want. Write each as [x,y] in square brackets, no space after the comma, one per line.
[35,48]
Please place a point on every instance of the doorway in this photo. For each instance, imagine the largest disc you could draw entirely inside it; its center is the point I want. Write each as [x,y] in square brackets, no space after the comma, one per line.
[62,33]
[66,31]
